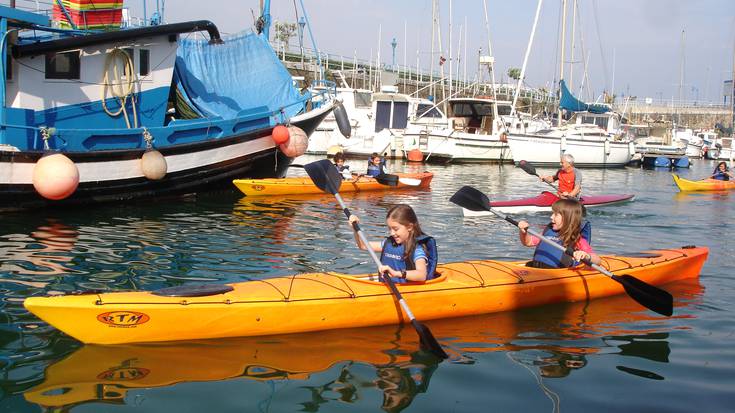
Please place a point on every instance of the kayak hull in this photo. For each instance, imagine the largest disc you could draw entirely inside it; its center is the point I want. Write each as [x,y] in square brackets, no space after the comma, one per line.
[686,185]
[543,202]
[301,185]
[325,301]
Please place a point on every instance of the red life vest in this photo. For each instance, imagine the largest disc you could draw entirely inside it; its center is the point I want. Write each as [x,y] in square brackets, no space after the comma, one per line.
[566,180]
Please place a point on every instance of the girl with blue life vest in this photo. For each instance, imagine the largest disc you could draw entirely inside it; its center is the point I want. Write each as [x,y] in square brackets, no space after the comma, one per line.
[722,173]
[407,254]
[566,230]
[376,165]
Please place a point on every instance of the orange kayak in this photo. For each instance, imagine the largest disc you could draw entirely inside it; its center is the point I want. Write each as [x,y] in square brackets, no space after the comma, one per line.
[303,185]
[106,373]
[325,301]
[703,185]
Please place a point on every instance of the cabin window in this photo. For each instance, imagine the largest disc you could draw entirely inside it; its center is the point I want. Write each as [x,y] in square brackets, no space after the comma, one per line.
[8,67]
[504,110]
[362,100]
[382,115]
[400,115]
[428,111]
[145,62]
[62,65]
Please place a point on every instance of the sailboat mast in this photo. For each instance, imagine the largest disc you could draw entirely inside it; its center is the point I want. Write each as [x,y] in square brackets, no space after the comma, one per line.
[574,36]
[492,64]
[525,60]
[431,56]
[681,78]
[561,62]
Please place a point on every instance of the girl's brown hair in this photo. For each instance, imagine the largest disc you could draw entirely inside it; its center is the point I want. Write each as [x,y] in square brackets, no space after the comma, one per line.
[571,213]
[404,215]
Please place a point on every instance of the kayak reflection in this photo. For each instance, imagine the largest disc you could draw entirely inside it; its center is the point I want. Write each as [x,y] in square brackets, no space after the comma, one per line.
[552,341]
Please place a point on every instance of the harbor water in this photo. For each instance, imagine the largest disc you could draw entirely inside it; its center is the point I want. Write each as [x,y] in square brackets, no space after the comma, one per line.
[604,355]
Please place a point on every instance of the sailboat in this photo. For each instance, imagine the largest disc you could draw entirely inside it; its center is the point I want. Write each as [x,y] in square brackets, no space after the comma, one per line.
[94,116]
[592,134]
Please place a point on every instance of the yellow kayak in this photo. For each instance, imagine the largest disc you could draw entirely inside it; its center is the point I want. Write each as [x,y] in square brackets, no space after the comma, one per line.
[303,184]
[325,301]
[703,185]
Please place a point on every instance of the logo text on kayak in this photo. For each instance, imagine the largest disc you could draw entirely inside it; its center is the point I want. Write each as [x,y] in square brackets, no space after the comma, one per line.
[123,318]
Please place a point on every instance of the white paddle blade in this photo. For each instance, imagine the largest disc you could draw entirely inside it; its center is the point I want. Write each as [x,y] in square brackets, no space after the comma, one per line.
[409,181]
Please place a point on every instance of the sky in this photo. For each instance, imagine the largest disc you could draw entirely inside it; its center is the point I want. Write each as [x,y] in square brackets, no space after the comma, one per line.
[633,46]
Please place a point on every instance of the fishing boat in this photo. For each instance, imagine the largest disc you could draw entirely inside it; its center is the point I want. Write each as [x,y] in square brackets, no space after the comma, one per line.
[328,300]
[543,202]
[159,110]
[304,185]
[702,185]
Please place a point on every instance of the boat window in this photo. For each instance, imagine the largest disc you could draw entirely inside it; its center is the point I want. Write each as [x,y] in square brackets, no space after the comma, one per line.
[503,110]
[428,111]
[400,115]
[596,120]
[9,67]
[62,65]
[382,115]
[362,100]
[145,62]
[462,109]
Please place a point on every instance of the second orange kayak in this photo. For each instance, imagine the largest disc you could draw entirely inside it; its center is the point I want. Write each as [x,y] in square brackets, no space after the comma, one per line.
[303,185]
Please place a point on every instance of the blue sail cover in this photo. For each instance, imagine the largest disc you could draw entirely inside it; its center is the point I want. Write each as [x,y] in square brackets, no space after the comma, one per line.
[570,103]
[240,75]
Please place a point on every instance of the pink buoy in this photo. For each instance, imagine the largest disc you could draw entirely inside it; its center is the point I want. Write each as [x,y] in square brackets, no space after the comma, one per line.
[280,135]
[153,165]
[55,177]
[297,143]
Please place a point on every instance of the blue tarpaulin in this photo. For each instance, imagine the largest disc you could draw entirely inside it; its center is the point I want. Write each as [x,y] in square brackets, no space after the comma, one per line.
[239,75]
[569,102]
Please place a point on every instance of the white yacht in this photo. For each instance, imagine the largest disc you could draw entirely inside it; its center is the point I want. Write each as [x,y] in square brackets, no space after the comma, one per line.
[475,131]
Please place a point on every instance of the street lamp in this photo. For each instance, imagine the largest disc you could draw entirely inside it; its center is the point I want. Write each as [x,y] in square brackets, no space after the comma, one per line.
[302,23]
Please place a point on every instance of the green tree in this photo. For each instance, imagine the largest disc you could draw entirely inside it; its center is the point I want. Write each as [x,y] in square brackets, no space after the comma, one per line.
[283,32]
[514,73]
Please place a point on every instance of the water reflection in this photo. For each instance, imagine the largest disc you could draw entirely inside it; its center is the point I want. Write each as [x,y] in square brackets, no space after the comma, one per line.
[45,251]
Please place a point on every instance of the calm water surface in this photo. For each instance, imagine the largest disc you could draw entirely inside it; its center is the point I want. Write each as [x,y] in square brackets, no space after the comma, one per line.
[604,355]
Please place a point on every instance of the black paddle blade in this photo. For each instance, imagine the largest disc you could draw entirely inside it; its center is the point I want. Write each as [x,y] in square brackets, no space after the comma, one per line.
[324,175]
[527,167]
[470,198]
[653,298]
[387,179]
[428,342]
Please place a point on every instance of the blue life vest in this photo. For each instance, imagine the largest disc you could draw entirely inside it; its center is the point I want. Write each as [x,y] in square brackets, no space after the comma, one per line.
[553,257]
[373,170]
[392,256]
[720,176]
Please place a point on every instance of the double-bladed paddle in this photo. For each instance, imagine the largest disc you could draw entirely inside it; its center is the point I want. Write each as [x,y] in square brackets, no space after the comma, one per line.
[383,179]
[531,170]
[647,295]
[328,179]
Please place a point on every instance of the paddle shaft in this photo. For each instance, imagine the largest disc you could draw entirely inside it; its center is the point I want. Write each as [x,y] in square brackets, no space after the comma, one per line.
[552,243]
[375,258]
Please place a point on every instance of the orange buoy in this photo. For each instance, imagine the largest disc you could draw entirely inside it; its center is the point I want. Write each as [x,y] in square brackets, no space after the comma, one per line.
[280,135]
[153,164]
[55,177]
[296,145]
[415,155]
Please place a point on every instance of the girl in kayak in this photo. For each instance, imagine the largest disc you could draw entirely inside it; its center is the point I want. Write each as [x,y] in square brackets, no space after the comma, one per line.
[376,165]
[722,173]
[564,229]
[407,254]
[339,163]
